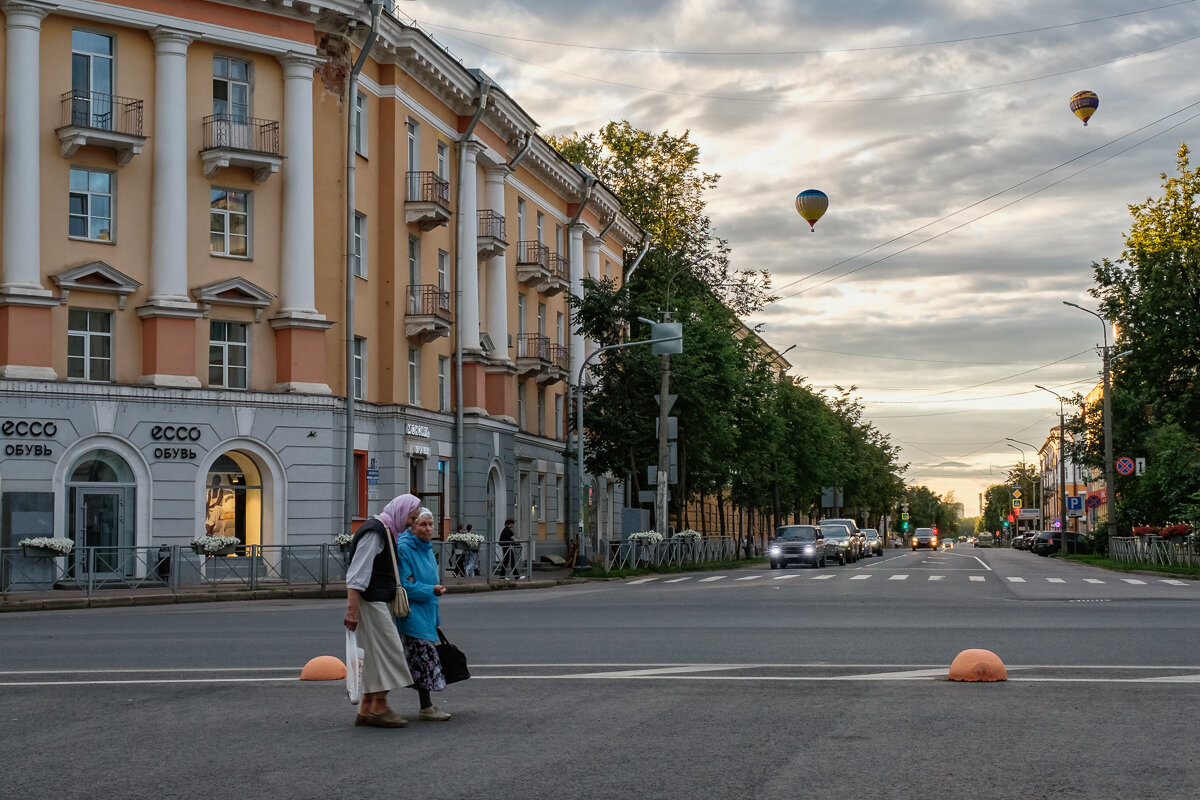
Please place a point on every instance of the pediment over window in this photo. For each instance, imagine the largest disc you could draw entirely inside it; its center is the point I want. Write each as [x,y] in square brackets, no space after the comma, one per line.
[96,276]
[234,292]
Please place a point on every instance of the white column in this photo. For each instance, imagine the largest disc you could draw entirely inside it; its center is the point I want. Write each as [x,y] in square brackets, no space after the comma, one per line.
[169,222]
[497,276]
[468,248]
[591,261]
[298,279]
[576,266]
[21,251]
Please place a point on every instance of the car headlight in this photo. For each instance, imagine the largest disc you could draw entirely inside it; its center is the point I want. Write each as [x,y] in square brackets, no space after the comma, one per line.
[808,548]
[775,551]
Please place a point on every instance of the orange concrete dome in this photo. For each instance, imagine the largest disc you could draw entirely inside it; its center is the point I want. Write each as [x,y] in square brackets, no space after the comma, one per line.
[978,665]
[323,668]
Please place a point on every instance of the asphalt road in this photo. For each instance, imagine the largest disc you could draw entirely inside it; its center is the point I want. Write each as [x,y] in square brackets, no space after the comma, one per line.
[743,684]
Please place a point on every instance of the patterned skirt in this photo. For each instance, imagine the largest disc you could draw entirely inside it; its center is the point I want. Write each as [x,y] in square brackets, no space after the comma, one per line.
[424,665]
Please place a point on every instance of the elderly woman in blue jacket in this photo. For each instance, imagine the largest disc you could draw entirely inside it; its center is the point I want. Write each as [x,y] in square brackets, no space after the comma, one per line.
[419,576]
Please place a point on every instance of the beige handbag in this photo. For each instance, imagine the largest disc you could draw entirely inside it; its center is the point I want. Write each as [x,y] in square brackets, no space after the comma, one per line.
[398,605]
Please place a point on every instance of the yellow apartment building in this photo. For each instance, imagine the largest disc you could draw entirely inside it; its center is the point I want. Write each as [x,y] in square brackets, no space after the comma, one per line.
[176,246]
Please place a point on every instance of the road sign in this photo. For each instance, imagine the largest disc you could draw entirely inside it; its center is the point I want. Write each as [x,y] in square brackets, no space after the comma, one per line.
[1017,503]
[1125,466]
[1030,513]
[1017,494]
[1093,501]
[904,515]
[1074,506]
[1141,466]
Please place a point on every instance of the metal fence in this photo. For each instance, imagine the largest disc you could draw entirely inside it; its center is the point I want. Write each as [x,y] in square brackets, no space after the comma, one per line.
[176,569]
[632,554]
[1155,551]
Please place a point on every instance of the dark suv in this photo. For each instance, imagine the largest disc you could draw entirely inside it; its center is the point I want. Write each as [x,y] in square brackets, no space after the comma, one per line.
[924,537]
[797,544]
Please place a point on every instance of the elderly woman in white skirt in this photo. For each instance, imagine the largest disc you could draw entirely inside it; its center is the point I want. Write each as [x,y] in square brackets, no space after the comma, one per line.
[370,584]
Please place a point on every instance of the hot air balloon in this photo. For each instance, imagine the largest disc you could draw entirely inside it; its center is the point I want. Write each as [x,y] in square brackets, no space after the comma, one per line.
[1084,104]
[811,203]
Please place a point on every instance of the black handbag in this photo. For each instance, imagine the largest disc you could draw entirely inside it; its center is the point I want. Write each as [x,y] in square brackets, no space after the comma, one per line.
[454,661]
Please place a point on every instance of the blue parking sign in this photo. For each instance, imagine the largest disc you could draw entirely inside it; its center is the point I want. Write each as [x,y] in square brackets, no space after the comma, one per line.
[1074,504]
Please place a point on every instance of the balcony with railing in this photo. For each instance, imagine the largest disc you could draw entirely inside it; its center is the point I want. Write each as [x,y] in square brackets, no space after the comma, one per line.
[533,262]
[491,234]
[427,202]
[428,315]
[537,358]
[559,278]
[231,140]
[101,120]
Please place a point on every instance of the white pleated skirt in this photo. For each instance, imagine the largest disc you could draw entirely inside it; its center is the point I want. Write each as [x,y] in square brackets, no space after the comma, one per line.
[384,665]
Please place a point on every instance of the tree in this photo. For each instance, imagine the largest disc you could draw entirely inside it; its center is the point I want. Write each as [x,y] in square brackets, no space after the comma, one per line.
[1152,294]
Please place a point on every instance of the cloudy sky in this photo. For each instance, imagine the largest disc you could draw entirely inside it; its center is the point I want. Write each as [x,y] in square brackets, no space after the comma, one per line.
[966,201]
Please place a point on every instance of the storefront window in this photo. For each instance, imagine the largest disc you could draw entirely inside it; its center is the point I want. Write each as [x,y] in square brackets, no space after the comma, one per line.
[233,499]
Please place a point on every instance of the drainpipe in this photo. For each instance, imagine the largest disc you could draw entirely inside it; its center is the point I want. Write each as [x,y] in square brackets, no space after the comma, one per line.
[485,86]
[524,151]
[641,255]
[351,500]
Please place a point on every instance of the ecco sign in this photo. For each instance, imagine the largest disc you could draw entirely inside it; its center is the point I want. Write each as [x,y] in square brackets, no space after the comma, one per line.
[21,427]
[175,433]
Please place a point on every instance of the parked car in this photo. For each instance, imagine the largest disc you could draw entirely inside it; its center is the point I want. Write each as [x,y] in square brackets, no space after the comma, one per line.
[874,541]
[1048,542]
[985,539]
[797,544]
[1044,543]
[924,537]
[839,543]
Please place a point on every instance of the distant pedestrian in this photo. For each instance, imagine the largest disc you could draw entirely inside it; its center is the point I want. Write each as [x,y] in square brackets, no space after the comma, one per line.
[508,543]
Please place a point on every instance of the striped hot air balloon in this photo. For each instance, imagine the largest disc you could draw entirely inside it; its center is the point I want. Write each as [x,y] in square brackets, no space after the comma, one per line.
[1084,104]
[811,203]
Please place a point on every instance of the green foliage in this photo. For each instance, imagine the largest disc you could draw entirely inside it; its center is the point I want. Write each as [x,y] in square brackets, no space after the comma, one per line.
[1152,293]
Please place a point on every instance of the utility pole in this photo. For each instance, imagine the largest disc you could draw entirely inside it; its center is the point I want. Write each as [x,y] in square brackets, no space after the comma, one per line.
[1110,496]
[663,486]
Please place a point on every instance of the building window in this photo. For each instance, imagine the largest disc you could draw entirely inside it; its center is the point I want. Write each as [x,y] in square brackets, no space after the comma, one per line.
[360,124]
[541,411]
[414,261]
[89,345]
[559,328]
[360,368]
[90,207]
[443,161]
[414,376]
[521,405]
[443,383]
[520,219]
[360,245]
[229,223]
[520,313]
[231,88]
[558,415]
[559,497]
[541,228]
[443,271]
[228,354]
[414,146]
[541,319]
[91,80]
[537,502]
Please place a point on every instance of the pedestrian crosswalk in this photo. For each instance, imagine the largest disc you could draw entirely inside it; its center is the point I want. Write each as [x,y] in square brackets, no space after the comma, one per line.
[990,577]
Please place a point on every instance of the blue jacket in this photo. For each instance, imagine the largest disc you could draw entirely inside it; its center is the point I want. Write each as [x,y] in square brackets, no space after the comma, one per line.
[418,576]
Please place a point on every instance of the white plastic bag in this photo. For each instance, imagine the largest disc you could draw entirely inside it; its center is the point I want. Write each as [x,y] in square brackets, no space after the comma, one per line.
[354,667]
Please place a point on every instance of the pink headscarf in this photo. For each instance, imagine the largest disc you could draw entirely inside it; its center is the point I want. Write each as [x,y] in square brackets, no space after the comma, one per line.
[395,514]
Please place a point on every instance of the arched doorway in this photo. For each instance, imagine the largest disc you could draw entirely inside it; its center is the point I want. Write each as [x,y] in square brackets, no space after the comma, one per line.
[101,498]
[233,499]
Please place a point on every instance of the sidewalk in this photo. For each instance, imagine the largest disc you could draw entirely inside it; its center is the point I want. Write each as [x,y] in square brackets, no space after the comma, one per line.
[155,596]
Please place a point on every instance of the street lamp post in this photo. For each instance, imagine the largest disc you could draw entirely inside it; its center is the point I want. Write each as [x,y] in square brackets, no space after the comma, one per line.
[1110,502]
[1040,499]
[1062,465]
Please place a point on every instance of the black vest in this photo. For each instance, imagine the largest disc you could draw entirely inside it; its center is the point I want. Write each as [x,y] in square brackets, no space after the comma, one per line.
[382,585]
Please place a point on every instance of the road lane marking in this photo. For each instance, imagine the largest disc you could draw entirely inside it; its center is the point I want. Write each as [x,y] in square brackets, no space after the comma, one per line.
[1134,581]
[641,580]
[713,578]
[748,578]
[936,577]
[822,577]
[859,577]
[1055,580]
[1016,580]
[1092,580]
[784,577]
[977,578]
[898,578]
[1173,582]
[679,580]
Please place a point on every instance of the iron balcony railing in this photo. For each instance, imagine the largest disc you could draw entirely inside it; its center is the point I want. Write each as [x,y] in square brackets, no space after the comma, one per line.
[102,112]
[558,355]
[426,299]
[533,345]
[558,267]
[532,252]
[427,187]
[233,132]
[491,224]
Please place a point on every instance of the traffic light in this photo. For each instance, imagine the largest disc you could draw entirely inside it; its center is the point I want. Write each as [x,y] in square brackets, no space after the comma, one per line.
[904,525]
